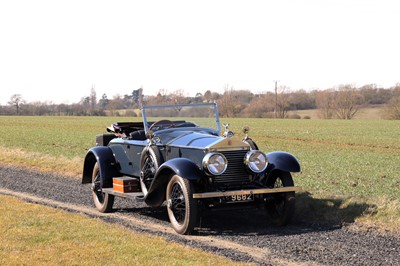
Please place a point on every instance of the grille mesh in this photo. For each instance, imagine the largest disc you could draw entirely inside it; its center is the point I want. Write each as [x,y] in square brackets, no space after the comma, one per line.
[235,174]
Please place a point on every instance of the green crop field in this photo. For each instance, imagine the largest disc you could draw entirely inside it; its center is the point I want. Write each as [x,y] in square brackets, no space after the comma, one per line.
[359,157]
[347,159]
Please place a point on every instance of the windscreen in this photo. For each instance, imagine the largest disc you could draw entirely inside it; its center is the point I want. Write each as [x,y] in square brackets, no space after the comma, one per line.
[191,115]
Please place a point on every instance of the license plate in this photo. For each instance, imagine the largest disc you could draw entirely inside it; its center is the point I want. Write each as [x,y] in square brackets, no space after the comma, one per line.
[241,198]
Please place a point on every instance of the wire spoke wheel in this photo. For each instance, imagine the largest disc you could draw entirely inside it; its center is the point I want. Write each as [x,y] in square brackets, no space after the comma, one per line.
[181,207]
[103,201]
[178,204]
[149,162]
[280,206]
[96,187]
[148,172]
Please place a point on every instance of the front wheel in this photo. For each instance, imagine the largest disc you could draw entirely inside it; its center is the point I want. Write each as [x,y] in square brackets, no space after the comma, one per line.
[280,206]
[181,207]
[103,201]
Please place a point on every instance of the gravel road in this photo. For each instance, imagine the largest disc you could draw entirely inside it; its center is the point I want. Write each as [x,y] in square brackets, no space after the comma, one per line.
[239,235]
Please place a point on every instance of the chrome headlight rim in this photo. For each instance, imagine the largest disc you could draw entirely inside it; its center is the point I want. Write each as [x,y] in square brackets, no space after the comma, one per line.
[249,162]
[208,166]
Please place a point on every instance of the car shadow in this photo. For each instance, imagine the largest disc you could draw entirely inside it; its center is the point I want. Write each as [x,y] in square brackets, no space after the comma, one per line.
[336,210]
[122,205]
[312,215]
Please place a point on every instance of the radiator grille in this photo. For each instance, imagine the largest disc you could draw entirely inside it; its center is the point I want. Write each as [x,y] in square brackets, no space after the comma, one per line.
[236,174]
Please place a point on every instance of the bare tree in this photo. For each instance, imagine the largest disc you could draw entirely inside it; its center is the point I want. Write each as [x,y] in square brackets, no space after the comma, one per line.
[16,100]
[39,108]
[178,97]
[261,106]
[283,102]
[324,101]
[160,98]
[233,102]
[302,100]
[347,101]
[115,104]
[226,104]
[392,108]
[207,96]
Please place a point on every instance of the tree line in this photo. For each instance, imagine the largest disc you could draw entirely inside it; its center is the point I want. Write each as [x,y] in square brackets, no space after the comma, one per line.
[341,102]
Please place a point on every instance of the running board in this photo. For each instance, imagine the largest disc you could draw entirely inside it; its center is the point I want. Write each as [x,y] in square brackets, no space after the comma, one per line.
[130,195]
[244,192]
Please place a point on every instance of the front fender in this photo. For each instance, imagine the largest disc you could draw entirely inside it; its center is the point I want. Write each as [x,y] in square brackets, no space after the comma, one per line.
[178,166]
[284,161]
[107,166]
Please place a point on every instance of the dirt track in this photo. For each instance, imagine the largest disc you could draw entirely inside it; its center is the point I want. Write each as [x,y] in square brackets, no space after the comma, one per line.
[242,236]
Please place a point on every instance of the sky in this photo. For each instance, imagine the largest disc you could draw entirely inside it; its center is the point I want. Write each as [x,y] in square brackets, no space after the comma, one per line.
[58,50]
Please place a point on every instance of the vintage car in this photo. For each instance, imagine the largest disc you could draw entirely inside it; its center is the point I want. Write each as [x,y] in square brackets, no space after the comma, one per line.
[178,155]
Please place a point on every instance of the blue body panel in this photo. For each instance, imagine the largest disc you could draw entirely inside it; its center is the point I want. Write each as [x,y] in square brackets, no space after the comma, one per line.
[192,139]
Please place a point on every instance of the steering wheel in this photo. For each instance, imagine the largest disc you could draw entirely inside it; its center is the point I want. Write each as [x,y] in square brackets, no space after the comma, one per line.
[161,124]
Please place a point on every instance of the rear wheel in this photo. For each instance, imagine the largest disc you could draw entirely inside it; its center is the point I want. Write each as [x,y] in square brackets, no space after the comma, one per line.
[103,201]
[181,207]
[280,206]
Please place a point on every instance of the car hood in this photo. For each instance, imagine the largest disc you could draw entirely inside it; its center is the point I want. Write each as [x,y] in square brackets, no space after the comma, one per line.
[201,140]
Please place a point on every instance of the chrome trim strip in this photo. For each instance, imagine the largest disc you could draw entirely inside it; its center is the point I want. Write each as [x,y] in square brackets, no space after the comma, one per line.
[229,149]
[245,192]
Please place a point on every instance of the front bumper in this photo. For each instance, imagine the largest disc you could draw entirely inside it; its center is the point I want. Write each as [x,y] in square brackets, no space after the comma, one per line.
[245,192]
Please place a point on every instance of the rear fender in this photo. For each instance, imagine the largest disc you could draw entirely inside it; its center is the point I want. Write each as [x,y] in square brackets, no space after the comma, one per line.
[107,166]
[178,166]
[283,161]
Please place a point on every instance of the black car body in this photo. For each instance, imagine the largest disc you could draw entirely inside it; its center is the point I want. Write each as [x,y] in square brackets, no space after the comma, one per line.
[182,159]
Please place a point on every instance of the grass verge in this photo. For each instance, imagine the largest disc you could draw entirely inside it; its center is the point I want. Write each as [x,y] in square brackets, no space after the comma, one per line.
[41,162]
[32,234]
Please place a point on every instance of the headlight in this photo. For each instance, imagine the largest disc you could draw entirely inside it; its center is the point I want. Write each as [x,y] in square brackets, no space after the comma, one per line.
[215,163]
[256,161]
